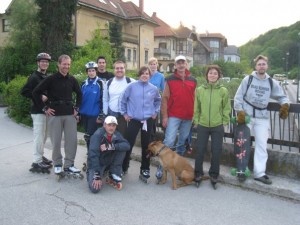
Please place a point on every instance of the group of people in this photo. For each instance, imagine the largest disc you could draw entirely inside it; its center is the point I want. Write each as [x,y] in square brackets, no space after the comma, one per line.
[114,108]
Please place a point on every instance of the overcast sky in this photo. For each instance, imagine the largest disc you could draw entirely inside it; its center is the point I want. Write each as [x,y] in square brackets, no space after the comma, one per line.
[238,20]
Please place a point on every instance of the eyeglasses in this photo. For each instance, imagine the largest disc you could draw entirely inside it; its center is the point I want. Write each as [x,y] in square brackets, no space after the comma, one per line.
[119,68]
[261,64]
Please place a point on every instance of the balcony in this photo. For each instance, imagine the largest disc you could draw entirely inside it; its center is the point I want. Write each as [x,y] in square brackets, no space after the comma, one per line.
[162,52]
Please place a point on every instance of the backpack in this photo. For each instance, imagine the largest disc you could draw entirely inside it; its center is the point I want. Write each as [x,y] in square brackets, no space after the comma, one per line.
[111,79]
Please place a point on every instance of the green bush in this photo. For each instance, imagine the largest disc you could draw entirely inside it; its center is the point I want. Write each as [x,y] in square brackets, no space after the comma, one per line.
[18,106]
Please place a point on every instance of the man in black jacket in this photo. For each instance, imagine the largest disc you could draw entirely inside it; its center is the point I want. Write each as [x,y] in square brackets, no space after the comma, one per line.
[62,113]
[107,151]
[39,119]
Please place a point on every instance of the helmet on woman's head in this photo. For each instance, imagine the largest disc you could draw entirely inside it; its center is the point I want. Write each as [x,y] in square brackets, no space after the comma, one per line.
[43,56]
[91,65]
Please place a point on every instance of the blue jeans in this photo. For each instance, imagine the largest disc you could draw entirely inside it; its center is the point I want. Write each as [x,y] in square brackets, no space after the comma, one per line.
[183,126]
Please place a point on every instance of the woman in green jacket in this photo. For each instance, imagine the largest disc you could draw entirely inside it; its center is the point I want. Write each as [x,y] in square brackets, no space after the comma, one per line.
[211,114]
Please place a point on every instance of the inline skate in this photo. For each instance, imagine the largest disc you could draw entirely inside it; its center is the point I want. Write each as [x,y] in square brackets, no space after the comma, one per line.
[47,161]
[214,181]
[39,168]
[198,181]
[144,175]
[159,173]
[115,181]
[72,171]
[67,172]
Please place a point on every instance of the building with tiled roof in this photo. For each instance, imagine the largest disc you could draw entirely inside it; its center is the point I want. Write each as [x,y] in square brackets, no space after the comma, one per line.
[137,27]
[143,36]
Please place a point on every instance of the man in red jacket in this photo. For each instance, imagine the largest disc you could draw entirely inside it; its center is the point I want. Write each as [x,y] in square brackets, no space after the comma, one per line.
[178,104]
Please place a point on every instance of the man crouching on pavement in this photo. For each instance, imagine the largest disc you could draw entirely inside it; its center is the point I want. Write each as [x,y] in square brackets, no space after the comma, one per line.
[107,151]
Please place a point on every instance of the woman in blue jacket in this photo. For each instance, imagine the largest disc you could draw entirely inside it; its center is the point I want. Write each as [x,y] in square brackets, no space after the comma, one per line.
[140,105]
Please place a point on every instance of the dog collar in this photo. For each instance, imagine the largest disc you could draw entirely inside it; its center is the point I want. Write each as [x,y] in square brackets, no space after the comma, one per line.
[161,149]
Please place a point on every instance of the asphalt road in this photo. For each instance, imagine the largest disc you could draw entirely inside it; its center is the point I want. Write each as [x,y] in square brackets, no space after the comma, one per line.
[27,198]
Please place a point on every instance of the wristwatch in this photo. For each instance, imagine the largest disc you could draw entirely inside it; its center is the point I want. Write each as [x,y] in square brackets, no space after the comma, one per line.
[45,108]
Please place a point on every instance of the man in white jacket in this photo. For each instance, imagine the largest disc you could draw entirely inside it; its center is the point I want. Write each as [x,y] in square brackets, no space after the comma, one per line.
[252,99]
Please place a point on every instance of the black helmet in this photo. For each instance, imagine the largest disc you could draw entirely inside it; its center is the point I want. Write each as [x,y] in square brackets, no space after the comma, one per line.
[91,65]
[44,56]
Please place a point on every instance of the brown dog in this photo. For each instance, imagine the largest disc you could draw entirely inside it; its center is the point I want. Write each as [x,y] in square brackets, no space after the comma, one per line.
[175,164]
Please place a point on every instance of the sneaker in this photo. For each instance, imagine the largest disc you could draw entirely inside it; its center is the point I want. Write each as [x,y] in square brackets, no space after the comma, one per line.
[72,169]
[264,179]
[58,169]
[116,177]
[46,161]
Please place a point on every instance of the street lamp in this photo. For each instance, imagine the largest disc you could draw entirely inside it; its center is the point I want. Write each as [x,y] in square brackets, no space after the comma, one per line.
[287,62]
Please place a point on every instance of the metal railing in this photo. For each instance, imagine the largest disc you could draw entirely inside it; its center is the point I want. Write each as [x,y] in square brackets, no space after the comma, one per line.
[284,134]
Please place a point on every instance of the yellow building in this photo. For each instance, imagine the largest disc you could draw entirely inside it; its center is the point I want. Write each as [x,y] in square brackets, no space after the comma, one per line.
[137,27]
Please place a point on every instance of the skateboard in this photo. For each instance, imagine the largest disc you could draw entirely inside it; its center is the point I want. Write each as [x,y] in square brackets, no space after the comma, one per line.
[242,149]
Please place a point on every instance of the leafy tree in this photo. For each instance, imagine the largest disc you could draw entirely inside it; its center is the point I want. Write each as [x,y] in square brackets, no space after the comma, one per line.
[275,44]
[115,33]
[23,44]
[89,52]
[55,18]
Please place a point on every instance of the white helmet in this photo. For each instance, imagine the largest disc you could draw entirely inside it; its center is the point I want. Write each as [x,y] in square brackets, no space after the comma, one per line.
[91,65]
[43,56]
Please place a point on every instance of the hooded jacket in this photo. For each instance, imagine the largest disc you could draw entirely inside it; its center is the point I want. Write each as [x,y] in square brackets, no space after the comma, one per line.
[212,105]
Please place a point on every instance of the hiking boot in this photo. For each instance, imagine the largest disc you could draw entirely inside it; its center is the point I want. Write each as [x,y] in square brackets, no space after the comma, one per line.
[264,179]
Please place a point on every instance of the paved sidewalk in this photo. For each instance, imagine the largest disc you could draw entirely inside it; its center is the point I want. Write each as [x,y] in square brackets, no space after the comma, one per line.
[281,187]
[28,198]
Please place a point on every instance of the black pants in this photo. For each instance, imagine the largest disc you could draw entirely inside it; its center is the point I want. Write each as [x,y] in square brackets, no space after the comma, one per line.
[90,126]
[203,134]
[134,126]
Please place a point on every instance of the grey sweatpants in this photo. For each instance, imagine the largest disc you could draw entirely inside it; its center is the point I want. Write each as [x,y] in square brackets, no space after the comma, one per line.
[66,125]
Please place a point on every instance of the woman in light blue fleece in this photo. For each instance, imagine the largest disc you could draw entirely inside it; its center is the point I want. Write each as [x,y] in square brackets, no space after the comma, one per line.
[252,99]
[140,105]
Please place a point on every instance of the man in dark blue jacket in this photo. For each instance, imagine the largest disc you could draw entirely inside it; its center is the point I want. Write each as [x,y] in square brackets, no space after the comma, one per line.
[107,151]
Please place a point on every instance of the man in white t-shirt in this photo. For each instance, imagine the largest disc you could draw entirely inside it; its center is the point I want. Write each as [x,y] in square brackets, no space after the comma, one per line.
[115,87]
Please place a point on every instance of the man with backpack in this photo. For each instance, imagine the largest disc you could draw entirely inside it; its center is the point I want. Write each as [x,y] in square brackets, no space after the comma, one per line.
[114,89]
[252,99]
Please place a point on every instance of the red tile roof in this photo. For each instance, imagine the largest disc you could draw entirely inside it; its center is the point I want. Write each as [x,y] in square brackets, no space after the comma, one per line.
[125,10]
[164,30]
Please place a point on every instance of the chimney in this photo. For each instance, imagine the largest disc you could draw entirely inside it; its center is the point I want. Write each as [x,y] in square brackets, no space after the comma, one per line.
[154,14]
[141,5]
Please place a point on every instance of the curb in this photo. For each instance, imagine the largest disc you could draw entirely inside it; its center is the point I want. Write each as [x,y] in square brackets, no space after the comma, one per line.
[288,189]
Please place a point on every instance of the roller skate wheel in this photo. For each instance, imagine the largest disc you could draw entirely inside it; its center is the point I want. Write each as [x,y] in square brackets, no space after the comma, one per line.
[233,171]
[247,172]
[119,186]
[81,176]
